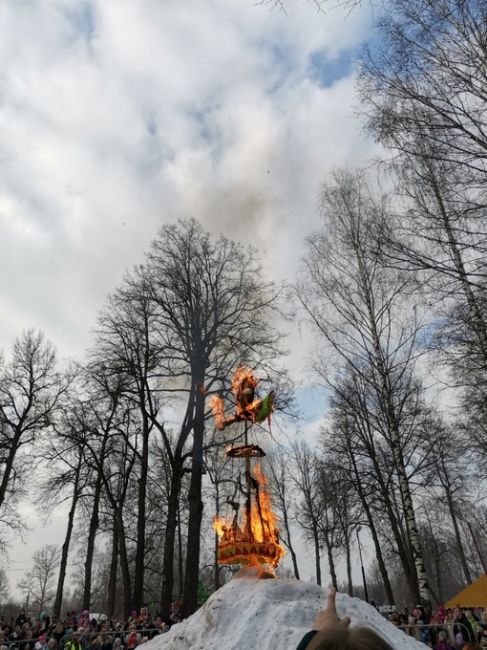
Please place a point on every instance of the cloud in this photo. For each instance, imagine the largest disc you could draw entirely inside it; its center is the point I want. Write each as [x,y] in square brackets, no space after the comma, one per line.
[119,116]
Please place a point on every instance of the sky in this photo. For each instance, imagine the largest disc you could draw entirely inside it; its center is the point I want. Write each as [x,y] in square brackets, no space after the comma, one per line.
[118,116]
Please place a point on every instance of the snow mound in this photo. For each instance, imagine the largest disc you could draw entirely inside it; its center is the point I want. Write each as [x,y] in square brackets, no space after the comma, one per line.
[250,614]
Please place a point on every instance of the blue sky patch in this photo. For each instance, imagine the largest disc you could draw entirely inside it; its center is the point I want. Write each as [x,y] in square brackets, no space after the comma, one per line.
[312,401]
[326,70]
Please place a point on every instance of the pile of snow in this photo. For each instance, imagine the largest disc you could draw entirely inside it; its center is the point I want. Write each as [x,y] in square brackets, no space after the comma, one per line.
[250,614]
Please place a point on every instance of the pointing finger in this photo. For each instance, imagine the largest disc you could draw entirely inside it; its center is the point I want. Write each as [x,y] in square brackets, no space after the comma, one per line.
[330,602]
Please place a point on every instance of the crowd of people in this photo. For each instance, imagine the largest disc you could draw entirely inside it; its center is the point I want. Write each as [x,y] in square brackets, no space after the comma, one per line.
[453,629]
[81,632]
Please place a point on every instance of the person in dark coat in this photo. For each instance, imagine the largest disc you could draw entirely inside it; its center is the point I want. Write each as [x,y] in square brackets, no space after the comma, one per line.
[461,625]
[21,618]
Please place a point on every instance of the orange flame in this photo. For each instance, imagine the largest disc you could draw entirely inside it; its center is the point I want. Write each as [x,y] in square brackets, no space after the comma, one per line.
[217,406]
[220,525]
[243,378]
[258,536]
[243,387]
[248,407]
[263,520]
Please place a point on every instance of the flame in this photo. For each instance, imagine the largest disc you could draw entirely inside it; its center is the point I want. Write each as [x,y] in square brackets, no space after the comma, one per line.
[263,520]
[248,407]
[257,539]
[243,378]
[243,387]
[220,525]
[217,406]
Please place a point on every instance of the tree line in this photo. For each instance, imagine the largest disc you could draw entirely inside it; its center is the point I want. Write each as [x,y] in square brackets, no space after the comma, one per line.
[394,286]
[122,436]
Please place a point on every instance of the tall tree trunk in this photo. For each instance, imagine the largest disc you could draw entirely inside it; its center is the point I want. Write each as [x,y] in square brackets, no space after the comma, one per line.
[316,542]
[288,543]
[403,552]
[56,611]
[477,319]
[295,563]
[366,436]
[380,559]
[439,571]
[458,538]
[180,554]
[294,560]
[384,394]
[410,517]
[216,577]
[9,464]
[331,562]
[191,574]
[348,556]
[124,564]
[167,586]
[138,595]
[373,530]
[90,547]
[112,580]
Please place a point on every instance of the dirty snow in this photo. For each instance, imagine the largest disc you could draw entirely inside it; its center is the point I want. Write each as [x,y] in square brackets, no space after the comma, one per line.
[250,614]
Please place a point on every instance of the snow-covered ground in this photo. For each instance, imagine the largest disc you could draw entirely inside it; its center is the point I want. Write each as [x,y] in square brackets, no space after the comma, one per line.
[250,614]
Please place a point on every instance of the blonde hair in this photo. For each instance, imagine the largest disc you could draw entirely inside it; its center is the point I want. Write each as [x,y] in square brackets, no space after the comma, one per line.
[357,638]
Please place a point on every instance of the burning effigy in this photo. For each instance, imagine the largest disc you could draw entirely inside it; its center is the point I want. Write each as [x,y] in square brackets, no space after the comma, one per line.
[252,538]
[249,408]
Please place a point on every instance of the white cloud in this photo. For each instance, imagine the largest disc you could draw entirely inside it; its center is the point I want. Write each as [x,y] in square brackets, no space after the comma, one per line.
[119,115]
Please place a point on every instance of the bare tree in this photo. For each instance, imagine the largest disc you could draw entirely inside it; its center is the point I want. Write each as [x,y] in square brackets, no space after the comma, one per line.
[424,78]
[424,86]
[66,475]
[358,308]
[346,508]
[279,464]
[116,434]
[38,583]
[281,5]
[30,388]
[307,480]
[328,521]
[224,489]
[176,329]
[126,346]
[213,308]
[66,465]
[451,476]
[351,443]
